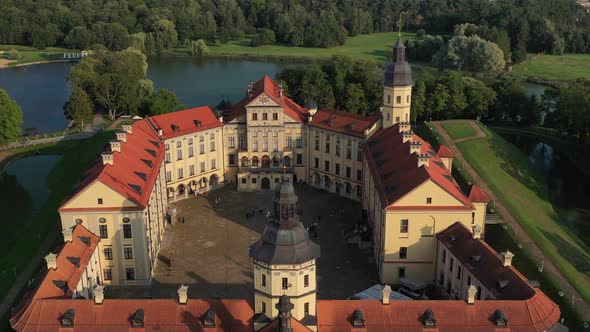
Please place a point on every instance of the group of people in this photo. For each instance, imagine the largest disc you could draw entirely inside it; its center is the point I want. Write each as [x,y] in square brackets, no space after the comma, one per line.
[252,214]
[314,230]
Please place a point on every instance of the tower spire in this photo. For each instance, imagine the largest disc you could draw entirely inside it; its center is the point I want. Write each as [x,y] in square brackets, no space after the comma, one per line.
[399,31]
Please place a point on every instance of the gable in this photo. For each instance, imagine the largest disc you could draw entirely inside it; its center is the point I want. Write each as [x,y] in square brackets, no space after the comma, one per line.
[429,188]
[88,198]
[263,100]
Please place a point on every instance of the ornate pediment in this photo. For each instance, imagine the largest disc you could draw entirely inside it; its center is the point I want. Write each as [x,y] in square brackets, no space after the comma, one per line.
[262,100]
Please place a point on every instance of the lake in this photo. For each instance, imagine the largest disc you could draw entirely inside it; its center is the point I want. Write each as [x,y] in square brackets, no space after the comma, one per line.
[41,90]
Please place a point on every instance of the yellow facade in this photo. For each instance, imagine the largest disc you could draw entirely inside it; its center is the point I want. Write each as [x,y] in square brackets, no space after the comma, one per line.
[396,105]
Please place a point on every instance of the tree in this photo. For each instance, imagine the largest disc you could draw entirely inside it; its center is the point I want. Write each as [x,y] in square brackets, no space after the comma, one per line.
[14,54]
[418,101]
[457,101]
[165,35]
[199,48]
[470,53]
[354,101]
[264,37]
[11,118]
[437,101]
[164,101]
[479,97]
[79,107]
[79,37]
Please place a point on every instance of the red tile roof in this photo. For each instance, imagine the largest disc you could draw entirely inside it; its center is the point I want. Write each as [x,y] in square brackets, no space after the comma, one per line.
[134,170]
[342,122]
[444,152]
[396,170]
[478,195]
[296,326]
[536,314]
[185,121]
[270,88]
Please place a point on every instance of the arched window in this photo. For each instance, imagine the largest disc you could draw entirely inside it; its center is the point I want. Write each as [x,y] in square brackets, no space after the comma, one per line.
[126,220]
[102,220]
[255,161]
[244,161]
[287,161]
[78,221]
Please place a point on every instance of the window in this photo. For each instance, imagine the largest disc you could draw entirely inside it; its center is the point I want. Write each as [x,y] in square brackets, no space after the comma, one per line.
[326,166]
[242,142]
[404,226]
[444,256]
[468,280]
[265,145]
[299,159]
[180,173]
[275,116]
[459,272]
[127,231]
[348,152]
[452,264]
[213,166]
[255,146]
[168,176]
[244,180]
[407,98]
[337,169]
[327,147]
[254,134]
[212,136]
[178,144]
[130,273]
[178,154]
[254,116]
[99,201]
[212,145]
[191,169]
[167,146]
[264,134]
[232,159]
[397,119]
[108,254]
[253,180]
[306,280]
[202,166]
[359,153]
[317,162]
[264,116]
[201,138]
[403,253]
[317,144]
[478,296]
[108,274]
[359,175]
[289,142]
[190,151]
[348,172]
[401,272]
[275,145]
[167,158]
[389,99]
[232,142]
[103,231]
[428,200]
[398,99]
[190,141]
[287,161]
[263,280]
[338,149]
[263,307]
[202,148]
[388,116]
[299,142]
[306,308]
[128,252]
[285,283]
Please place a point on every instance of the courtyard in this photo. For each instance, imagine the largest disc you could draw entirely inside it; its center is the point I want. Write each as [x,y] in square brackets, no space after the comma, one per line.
[209,250]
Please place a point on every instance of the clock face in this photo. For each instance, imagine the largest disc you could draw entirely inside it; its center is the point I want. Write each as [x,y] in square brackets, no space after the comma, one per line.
[264,100]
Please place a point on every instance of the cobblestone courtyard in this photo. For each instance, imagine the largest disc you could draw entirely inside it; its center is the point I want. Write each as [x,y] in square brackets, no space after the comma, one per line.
[209,251]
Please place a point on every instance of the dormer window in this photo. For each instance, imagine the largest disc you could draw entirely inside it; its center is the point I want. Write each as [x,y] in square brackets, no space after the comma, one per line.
[358,321]
[428,318]
[499,319]
[428,200]
[67,320]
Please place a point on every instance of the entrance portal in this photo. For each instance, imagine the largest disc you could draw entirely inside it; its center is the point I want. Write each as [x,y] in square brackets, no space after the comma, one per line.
[265,184]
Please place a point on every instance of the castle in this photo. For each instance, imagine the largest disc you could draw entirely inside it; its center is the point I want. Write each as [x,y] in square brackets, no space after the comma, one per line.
[425,229]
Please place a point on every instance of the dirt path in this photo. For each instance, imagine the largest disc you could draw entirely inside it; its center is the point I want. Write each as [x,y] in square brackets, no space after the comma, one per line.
[522,235]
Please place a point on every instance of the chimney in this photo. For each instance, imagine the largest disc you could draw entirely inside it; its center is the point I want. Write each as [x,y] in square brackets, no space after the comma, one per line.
[128,128]
[221,119]
[115,145]
[51,260]
[415,147]
[423,159]
[506,257]
[98,294]
[476,231]
[67,234]
[182,294]
[160,132]
[280,90]
[107,158]
[407,136]
[121,136]
[386,293]
[471,292]
[404,126]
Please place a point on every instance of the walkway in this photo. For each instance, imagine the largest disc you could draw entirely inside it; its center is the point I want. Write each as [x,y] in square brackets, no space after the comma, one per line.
[501,209]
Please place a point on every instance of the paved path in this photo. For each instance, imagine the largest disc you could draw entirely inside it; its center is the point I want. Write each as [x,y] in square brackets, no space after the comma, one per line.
[522,235]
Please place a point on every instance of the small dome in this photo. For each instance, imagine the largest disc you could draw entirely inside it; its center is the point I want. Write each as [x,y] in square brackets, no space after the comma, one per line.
[398,72]
[285,193]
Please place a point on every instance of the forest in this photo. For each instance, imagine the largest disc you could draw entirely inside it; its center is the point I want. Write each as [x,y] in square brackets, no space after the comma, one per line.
[553,26]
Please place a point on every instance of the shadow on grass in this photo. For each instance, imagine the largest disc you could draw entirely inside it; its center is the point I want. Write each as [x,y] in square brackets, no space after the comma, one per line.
[580,261]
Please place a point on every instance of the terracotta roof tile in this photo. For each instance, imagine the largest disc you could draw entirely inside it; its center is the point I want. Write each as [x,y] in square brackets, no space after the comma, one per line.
[342,122]
[478,195]
[296,325]
[186,121]
[444,152]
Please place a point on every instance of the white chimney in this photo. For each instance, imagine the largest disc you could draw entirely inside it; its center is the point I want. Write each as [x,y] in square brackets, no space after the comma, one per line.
[476,231]
[471,292]
[386,293]
[221,119]
[415,147]
[98,294]
[160,132]
[115,145]
[51,260]
[121,136]
[404,127]
[107,158]
[280,90]
[506,257]
[407,136]
[128,128]
[183,294]
[67,234]
[423,160]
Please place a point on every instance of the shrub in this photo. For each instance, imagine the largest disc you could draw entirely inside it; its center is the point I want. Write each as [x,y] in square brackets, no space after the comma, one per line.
[264,37]
[14,55]
[420,32]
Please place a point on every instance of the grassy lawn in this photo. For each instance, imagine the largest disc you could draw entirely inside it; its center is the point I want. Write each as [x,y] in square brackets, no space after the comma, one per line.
[77,156]
[523,190]
[372,46]
[31,54]
[555,67]
[459,129]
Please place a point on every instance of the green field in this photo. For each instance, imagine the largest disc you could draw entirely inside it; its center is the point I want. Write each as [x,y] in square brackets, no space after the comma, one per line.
[31,54]
[459,129]
[372,46]
[523,190]
[555,67]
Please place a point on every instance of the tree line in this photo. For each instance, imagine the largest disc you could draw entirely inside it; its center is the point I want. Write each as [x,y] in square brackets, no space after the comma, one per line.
[516,26]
